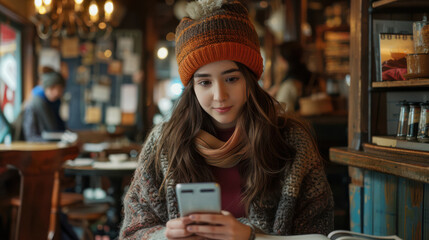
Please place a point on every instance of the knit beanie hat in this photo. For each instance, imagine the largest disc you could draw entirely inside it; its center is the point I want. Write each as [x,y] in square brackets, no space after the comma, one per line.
[50,79]
[216,30]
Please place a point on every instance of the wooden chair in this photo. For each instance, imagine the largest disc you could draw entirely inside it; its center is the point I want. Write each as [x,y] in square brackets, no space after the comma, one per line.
[39,165]
[64,200]
[84,215]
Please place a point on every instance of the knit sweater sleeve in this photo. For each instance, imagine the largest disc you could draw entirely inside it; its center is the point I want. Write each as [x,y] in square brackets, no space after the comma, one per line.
[306,203]
[143,206]
[314,206]
[314,211]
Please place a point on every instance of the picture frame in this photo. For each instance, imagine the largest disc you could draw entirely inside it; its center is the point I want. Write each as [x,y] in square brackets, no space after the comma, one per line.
[393,51]
[386,26]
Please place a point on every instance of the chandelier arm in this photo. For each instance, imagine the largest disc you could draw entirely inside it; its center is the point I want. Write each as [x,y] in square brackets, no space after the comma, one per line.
[87,21]
[35,20]
[58,26]
[81,28]
[108,31]
[92,32]
[41,34]
[79,22]
[71,23]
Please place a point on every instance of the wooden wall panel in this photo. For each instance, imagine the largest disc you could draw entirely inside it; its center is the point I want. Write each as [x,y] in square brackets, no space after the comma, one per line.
[410,209]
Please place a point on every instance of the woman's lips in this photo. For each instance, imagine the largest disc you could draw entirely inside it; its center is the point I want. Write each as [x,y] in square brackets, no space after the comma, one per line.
[222,109]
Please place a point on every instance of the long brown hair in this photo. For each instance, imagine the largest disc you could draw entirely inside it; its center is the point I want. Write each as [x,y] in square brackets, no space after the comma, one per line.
[262,118]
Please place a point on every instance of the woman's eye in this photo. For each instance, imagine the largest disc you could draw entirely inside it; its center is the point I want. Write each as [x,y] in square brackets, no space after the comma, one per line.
[204,83]
[232,79]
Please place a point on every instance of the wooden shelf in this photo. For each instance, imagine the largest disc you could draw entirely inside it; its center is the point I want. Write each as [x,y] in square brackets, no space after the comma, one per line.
[400,3]
[424,82]
[412,156]
[401,167]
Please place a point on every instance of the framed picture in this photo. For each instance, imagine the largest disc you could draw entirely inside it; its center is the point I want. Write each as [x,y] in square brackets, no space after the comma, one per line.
[393,50]
[387,26]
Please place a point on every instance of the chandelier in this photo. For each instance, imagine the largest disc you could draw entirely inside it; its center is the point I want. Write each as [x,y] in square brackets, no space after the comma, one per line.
[66,18]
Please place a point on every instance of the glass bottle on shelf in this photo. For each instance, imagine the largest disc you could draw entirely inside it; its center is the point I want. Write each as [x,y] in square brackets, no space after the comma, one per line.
[423,133]
[421,36]
[413,121]
[401,133]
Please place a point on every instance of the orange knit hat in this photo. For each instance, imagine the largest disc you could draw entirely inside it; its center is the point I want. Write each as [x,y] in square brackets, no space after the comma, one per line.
[216,30]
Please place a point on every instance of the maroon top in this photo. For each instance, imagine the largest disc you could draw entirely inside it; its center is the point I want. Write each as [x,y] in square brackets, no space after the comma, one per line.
[229,180]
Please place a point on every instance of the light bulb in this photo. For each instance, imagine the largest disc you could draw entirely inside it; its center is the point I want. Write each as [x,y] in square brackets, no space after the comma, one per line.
[93,12]
[170,36]
[162,53]
[47,2]
[263,4]
[108,53]
[78,5]
[37,4]
[93,9]
[102,25]
[108,7]
[42,10]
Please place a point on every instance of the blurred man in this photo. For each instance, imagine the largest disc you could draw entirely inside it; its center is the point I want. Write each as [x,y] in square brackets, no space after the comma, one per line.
[42,113]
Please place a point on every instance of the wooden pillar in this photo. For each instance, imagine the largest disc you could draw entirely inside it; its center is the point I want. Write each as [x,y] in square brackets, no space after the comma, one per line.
[28,63]
[292,13]
[302,20]
[358,98]
[150,39]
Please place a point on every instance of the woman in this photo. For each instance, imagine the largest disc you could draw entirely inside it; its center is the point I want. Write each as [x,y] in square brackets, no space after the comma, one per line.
[271,175]
[295,76]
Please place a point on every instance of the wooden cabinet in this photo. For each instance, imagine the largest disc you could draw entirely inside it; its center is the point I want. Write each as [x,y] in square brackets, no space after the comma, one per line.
[389,188]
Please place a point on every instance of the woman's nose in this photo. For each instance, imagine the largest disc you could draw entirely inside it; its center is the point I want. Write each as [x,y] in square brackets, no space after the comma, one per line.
[220,92]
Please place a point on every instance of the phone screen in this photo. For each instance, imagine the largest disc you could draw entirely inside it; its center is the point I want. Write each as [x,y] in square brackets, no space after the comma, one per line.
[198,198]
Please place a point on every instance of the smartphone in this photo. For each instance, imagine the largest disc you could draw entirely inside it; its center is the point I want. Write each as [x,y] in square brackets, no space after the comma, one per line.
[198,198]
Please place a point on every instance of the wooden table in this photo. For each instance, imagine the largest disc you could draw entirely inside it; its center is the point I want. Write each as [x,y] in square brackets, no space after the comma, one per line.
[115,177]
[39,165]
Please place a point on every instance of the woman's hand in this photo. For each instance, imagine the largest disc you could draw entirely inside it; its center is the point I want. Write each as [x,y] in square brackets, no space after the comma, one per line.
[176,229]
[221,226]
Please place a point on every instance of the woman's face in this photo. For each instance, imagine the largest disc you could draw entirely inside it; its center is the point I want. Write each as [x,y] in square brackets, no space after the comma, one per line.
[220,88]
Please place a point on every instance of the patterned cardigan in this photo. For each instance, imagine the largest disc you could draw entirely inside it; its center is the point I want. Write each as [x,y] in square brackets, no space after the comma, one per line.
[305,205]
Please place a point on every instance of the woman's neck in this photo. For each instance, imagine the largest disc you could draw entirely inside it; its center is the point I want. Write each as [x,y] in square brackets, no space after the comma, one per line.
[224,134]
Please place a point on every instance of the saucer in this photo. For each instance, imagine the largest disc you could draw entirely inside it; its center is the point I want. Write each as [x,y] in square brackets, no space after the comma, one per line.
[79,162]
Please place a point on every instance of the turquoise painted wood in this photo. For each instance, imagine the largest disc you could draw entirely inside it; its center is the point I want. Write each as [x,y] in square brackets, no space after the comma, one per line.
[355,196]
[368,202]
[410,209]
[385,204]
[400,206]
[426,212]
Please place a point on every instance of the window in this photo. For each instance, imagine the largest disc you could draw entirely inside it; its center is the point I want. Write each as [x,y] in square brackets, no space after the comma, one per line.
[10,76]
